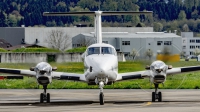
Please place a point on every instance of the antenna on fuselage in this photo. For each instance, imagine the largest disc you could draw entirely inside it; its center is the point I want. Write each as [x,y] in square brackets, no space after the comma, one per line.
[97,15]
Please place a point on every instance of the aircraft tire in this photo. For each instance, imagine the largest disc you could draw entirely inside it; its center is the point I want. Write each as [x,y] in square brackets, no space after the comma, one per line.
[101,100]
[41,97]
[159,96]
[153,97]
[48,97]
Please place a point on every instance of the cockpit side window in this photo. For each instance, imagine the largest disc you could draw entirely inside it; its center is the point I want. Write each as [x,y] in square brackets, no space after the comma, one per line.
[93,50]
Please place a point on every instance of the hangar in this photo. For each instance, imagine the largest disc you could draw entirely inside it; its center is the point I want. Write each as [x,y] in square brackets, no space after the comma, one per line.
[141,42]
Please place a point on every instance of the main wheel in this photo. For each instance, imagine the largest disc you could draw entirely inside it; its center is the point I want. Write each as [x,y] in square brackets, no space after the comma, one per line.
[48,98]
[159,96]
[41,98]
[153,97]
[101,99]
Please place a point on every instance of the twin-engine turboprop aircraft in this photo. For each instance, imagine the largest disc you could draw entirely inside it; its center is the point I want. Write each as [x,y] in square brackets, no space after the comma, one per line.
[100,63]
[101,68]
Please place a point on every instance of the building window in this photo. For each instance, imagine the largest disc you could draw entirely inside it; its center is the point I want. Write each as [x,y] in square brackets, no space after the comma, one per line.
[78,45]
[183,41]
[197,41]
[184,47]
[192,41]
[125,42]
[106,42]
[192,47]
[167,43]
[159,42]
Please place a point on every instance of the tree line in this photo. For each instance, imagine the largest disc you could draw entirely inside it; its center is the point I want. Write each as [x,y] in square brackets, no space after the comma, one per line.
[168,15]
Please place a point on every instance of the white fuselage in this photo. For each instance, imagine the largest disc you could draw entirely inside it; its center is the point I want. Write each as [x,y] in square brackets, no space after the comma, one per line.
[101,66]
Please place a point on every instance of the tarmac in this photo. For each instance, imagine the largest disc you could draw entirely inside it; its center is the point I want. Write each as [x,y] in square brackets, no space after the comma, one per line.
[87,100]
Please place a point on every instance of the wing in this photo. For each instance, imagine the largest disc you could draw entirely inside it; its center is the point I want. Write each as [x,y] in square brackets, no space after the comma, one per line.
[183,70]
[22,72]
[55,75]
[68,76]
[133,75]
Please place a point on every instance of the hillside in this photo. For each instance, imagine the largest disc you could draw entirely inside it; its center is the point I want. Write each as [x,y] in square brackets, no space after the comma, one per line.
[169,15]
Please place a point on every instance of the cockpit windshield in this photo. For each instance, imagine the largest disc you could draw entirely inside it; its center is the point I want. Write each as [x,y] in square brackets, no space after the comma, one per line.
[104,50]
[93,50]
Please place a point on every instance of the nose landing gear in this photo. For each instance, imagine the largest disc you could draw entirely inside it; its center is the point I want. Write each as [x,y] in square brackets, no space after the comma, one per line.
[101,95]
[156,94]
[44,96]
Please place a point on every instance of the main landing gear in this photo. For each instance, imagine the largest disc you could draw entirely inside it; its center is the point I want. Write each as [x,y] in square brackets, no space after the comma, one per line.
[44,96]
[156,94]
[101,95]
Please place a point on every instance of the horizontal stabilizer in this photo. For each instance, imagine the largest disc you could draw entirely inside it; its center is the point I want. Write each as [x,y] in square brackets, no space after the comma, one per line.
[104,13]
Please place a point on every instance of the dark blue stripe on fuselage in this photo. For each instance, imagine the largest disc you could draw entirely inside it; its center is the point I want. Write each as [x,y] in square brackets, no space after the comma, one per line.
[132,77]
[190,69]
[10,71]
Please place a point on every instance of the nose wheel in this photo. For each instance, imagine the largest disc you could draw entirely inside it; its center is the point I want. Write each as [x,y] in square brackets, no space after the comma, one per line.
[44,96]
[101,98]
[156,95]
[101,95]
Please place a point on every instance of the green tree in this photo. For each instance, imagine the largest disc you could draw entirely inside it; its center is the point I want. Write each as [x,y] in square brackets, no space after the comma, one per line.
[157,27]
[195,14]
[90,4]
[12,20]
[186,28]
[182,15]
[2,19]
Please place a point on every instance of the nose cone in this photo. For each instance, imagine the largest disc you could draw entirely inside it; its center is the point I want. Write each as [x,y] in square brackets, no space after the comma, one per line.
[102,64]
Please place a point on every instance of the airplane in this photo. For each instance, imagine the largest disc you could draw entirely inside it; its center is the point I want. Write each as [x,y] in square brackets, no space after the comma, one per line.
[101,68]
[100,65]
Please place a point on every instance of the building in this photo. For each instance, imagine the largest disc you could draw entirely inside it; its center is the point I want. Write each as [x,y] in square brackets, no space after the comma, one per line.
[39,35]
[190,44]
[140,41]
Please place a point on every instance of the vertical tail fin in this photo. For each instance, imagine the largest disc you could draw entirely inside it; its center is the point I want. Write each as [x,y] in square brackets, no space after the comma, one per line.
[97,20]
